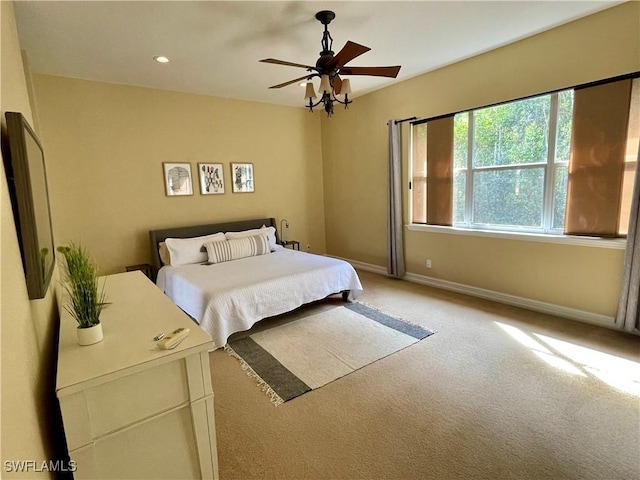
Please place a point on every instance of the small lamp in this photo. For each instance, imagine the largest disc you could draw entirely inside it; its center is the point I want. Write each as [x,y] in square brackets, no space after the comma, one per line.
[284,220]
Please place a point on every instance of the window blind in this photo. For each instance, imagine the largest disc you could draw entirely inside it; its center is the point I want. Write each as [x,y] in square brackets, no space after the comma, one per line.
[440,171]
[596,165]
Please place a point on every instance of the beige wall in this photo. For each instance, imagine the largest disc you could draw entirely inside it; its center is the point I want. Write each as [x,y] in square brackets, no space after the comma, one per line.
[355,164]
[27,328]
[105,146]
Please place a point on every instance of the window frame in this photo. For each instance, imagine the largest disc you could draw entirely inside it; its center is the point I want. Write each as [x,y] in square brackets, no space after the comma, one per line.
[549,168]
[513,233]
[561,239]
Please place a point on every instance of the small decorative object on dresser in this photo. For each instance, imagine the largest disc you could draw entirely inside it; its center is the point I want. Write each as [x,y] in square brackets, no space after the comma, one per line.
[242,177]
[83,300]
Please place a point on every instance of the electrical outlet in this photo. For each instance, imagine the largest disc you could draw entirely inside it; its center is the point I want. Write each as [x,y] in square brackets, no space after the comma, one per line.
[308,248]
[428,263]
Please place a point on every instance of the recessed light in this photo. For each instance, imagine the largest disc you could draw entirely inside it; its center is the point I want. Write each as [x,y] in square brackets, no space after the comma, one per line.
[161,59]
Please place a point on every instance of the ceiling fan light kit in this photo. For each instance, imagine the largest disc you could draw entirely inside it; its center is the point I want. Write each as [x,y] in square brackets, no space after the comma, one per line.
[325,87]
[310,91]
[346,87]
[330,68]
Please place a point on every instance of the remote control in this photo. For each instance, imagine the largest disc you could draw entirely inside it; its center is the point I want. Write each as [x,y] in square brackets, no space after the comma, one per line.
[173,339]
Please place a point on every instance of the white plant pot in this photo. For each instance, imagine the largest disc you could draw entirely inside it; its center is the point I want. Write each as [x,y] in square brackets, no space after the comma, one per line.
[91,335]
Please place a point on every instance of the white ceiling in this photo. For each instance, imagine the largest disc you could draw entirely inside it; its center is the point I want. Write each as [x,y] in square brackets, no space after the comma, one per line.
[214,46]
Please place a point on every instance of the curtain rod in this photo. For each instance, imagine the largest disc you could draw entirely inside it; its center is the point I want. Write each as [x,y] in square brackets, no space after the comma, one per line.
[405,120]
[575,87]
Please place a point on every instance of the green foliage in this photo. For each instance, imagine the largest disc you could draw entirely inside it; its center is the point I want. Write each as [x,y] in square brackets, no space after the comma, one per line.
[509,197]
[512,133]
[564,125]
[510,147]
[461,140]
[85,302]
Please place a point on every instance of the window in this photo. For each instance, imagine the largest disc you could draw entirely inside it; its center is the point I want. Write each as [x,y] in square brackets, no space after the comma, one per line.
[516,148]
[519,166]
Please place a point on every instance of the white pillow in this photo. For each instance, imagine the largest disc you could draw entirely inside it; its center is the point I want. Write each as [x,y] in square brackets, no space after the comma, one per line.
[270,231]
[185,251]
[165,256]
[236,248]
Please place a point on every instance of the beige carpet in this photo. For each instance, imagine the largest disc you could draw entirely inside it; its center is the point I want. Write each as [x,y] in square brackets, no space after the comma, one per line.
[480,399]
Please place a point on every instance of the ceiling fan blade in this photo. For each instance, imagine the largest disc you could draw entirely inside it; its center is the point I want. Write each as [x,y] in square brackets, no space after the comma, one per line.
[282,62]
[372,71]
[306,77]
[350,51]
[337,84]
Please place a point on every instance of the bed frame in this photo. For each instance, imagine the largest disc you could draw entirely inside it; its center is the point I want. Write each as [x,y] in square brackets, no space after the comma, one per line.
[157,236]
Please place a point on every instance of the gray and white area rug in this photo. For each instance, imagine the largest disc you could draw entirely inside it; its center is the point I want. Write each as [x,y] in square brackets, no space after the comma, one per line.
[297,357]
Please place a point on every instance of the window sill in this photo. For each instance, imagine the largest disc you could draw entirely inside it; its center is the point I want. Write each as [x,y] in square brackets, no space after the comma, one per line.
[615,243]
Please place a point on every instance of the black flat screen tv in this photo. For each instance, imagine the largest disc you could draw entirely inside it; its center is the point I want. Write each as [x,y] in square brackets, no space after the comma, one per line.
[27,180]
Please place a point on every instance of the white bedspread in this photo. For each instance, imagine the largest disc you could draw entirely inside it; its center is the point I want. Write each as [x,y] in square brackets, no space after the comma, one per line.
[230,297]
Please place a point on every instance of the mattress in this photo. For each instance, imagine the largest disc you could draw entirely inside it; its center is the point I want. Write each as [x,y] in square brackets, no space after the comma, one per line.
[230,297]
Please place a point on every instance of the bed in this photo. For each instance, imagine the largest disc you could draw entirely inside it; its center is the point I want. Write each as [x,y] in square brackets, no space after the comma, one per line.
[231,296]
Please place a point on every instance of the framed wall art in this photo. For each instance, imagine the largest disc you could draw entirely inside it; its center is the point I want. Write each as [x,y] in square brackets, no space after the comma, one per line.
[177,179]
[242,177]
[211,178]
[25,170]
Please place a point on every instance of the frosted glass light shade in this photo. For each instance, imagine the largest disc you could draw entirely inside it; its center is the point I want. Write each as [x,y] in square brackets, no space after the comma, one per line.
[309,93]
[346,87]
[325,86]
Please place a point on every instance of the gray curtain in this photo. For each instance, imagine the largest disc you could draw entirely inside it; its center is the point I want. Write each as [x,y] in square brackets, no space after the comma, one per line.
[627,316]
[395,253]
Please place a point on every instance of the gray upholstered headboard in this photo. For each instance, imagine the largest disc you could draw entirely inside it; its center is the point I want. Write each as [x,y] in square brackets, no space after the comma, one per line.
[157,236]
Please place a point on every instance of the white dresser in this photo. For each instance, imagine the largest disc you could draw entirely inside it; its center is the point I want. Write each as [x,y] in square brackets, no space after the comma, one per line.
[130,411]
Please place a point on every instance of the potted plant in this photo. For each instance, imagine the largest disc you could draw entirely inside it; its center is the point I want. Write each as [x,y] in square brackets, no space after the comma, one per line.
[84,299]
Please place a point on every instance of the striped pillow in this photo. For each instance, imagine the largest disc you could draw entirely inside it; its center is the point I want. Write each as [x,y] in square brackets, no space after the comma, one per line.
[237,248]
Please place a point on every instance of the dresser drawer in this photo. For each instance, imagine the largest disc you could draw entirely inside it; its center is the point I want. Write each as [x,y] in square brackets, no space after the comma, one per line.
[114,405]
[161,447]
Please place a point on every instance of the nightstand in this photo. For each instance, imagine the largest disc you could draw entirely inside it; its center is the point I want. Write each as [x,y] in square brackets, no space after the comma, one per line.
[144,267]
[295,245]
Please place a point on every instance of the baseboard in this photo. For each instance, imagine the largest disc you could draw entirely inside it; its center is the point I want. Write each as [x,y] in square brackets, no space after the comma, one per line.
[529,304]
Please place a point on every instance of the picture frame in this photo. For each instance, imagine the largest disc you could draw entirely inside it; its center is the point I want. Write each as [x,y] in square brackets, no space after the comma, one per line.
[26,171]
[211,178]
[242,179]
[177,179]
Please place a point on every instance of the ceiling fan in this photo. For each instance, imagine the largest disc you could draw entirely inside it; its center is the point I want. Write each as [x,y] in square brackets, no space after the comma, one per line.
[330,68]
